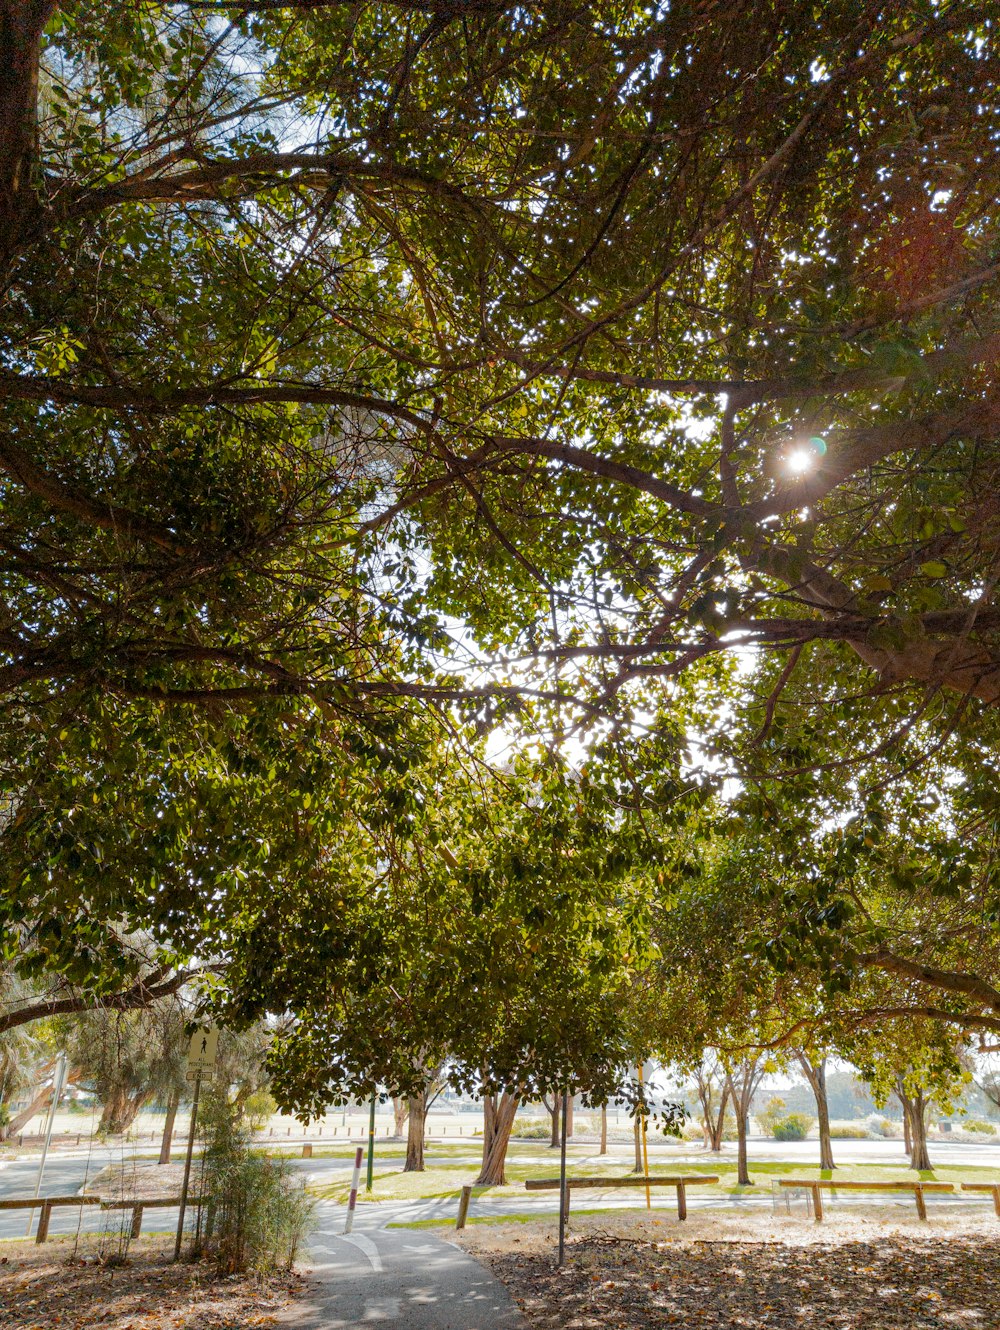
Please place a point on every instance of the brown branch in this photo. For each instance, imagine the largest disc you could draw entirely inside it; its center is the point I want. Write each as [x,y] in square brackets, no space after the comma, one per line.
[949,981]
[107,516]
[143,993]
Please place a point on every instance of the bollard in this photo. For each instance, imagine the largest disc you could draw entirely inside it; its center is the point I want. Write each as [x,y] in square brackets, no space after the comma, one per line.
[307,1152]
[288,1132]
[270,1131]
[463,1207]
[352,1202]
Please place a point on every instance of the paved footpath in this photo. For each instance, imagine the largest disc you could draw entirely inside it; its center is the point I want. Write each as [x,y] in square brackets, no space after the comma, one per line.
[386,1278]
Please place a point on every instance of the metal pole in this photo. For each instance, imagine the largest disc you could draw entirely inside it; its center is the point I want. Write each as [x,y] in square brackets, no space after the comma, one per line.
[563,1197]
[354,1190]
[371,1144]
[645,1152]
[58,1080]
[187,1166]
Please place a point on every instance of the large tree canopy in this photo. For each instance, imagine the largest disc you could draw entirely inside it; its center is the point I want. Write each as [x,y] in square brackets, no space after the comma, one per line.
[354,353]
[554,295]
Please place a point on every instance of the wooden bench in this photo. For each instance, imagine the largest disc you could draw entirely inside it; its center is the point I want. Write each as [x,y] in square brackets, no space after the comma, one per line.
[992,1187]
[680,1181]
[815,1186]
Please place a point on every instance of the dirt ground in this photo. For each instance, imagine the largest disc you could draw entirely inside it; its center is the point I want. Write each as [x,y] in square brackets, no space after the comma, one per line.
[43,1287]
[882,1272]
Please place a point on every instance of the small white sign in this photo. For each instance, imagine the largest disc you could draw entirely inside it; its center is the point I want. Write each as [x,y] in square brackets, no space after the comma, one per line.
[203,1051]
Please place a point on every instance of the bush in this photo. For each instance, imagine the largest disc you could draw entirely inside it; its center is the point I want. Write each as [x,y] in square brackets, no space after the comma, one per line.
[258,1212]
[978,1125]
[532,1130]
[849,1133]
[768,1118]
[793,1127]
[259,1109]
[882,1127]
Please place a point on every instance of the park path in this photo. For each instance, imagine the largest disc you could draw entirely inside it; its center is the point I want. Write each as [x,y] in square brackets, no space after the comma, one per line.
[384,1279]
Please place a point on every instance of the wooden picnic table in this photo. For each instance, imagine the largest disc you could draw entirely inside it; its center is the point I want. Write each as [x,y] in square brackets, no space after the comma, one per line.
[680,1181]
[816,1185]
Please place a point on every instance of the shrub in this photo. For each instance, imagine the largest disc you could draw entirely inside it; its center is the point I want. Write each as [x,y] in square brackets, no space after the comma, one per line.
[793,1127]
[883,1127]
[978,1125]
[770,1115]
[849,1133]
[532,1130]
[259,1108]
[258,1211]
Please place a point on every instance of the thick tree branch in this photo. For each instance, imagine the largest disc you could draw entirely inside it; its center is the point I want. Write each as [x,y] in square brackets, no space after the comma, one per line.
[143,993]
[949,981]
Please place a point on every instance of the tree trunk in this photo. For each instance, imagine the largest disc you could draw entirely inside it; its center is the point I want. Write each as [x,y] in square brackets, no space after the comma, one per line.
[718,1127]
[119,1112]
[569,1119]
[915,1126]
[741,1110]
[604,1129]
[167,1139]
[637,1136]
[711,1125]
[553,1113]
[815,1074]
[415,1134]
[400,1112]
[37,1105]
[498,1123]
[919,1157]
[742,1172]
[21,26]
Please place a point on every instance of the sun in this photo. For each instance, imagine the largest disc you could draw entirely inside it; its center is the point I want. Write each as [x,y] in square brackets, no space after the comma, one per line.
[800,461]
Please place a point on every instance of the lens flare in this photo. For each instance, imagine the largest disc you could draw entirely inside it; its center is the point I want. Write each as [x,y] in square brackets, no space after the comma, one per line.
[799,461]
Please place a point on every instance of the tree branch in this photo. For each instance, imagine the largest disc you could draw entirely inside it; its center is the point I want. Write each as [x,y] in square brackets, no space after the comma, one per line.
[143,993]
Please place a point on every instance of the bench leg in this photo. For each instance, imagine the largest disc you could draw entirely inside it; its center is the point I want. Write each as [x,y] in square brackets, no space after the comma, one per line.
[817,1204]
[43,1223]
[996,1200]
[137,1221]
[918,1195]
[682,1209]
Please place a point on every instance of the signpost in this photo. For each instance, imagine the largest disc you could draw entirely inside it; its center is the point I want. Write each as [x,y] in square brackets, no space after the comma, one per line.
[371,1144]
[58,1080]
[563,1191]
[203,1051]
